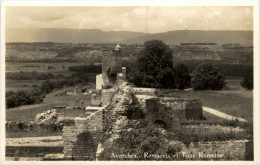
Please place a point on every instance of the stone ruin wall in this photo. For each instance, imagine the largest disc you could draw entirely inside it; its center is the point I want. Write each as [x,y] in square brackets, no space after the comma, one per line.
[227,150]
[211,130]
[96,98]
[111,59]
[70,112]
[107,95]
[81,137]
[172,112]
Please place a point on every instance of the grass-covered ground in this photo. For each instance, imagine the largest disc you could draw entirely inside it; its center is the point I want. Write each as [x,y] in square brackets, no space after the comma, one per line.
[28,112]
[233,99]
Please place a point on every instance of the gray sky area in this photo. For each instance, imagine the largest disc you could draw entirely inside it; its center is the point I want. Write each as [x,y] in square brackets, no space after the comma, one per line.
[140,19]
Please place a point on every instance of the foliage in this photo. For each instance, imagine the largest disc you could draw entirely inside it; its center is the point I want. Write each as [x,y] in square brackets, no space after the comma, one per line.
[248,80]
[21,97]
[31,75]
[36,95]
[207,76]
[154,67]
[133,109]
[139,141]
[181,77]
[87,69]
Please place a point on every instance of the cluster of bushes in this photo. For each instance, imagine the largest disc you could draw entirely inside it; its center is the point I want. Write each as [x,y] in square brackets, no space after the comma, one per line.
[87,69]
[24,97]
[31,75]
[248,80]
[48,86]
[155,69]
[207,77]
[87,77]
[36,95]
[226,69]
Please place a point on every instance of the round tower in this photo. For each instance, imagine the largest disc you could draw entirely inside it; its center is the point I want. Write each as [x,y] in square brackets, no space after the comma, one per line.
[111,65]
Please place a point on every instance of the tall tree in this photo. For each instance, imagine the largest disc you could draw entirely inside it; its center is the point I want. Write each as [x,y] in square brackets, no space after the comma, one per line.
[154,67]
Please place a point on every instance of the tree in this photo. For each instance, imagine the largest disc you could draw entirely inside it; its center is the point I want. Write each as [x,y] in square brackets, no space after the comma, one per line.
[154,68]
[207,76]
[248,80]
[181,77]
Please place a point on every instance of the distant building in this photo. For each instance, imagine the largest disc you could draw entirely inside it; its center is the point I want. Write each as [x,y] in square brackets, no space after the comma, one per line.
[231,45]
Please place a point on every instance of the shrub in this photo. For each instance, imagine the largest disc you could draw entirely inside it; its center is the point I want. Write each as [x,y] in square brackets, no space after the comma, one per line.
[181,77]
[30,75]
[207,77]
[133,110]
[22,97]
[86,69]
[248,80]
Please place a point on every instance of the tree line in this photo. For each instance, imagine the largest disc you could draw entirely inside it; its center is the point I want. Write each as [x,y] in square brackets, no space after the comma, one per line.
[32,76]
[36,95]
[155,69]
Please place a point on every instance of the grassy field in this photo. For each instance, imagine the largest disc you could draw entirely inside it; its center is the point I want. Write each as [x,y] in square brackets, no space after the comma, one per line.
[28,112]
[57,68]
[233,100]
[14,85]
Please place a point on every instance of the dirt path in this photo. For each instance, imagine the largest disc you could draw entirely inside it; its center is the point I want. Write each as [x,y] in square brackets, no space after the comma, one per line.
[222,115]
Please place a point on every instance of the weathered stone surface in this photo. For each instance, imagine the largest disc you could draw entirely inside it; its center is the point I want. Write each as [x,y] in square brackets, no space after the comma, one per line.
[49,116]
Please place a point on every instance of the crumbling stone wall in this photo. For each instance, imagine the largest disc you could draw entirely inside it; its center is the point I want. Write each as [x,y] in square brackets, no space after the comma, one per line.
[193,110]
[96,98]
[81,137]
[213,130]
[217,150]
[173,110]
[144,91]
[107,95]
[157,112]
[70,112]
[111,65]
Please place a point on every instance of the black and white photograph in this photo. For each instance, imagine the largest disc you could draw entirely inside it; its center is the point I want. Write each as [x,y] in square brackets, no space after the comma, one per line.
[129,82]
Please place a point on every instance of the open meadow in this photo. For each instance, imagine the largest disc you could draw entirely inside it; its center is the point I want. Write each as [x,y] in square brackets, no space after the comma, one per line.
[233,100]
[56,98]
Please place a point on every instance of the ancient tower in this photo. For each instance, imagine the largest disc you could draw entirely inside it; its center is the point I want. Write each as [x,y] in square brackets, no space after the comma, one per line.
[111,65]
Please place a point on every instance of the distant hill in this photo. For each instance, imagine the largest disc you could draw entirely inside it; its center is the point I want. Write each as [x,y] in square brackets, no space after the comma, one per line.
[193,36]
[127,37]
[68,35]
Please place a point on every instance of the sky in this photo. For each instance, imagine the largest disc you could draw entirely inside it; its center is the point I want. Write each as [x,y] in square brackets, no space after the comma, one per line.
[150,19]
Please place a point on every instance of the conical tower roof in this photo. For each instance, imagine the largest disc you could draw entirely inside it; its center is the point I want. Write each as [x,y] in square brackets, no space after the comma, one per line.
[118,47]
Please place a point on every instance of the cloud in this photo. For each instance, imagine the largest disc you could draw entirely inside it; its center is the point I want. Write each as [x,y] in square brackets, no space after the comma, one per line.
[152,19]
